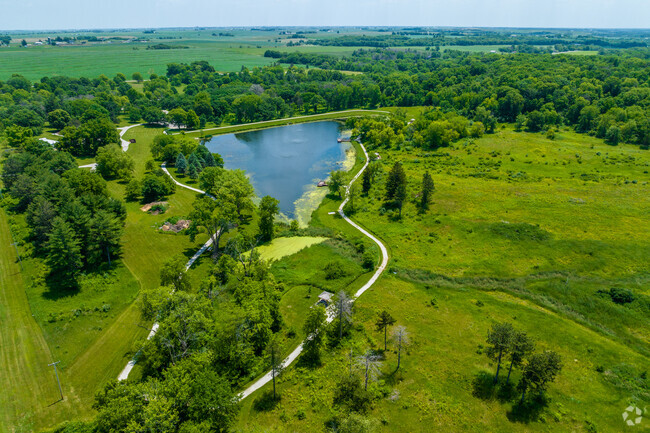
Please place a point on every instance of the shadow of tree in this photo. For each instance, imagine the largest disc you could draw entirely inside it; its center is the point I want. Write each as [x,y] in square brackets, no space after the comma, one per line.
[529,410]
[483,386]
[266,402]
[60,287]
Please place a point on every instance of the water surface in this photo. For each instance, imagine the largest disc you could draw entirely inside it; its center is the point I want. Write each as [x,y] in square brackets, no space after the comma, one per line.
[286,162]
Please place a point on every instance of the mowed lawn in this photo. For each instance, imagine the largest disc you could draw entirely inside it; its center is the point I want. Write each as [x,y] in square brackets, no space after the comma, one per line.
[29,391]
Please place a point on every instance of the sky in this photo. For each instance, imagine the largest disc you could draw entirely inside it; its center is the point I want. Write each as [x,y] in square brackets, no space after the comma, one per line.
[90,14]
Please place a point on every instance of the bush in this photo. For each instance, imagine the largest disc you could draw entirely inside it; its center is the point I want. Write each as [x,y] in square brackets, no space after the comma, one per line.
[368,260]
[618,296]
[334,270]
[155,186]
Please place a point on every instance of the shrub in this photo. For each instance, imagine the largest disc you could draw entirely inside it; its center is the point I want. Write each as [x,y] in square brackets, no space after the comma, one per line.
[334,270]
[368,260]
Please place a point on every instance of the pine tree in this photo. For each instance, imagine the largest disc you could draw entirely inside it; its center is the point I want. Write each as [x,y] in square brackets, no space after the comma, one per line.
[209,160]
[194,170]
[427,190]
[181,164]
[383,322]
[64,252]
[366,183]
[396,186]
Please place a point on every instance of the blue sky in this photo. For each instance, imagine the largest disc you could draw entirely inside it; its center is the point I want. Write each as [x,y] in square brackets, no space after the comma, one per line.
[77,14]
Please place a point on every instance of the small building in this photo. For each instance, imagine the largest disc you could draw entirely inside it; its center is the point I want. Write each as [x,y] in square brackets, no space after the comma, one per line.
[132,140]
[324,299]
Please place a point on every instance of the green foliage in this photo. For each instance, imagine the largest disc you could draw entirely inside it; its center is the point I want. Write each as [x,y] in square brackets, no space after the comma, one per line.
[383,322]
[314,323]
[268,209]
[539,372]
[113,163]
[336,182]
[428,188]
[334,270]
[173,273]
[58,119]
[181,164]
[64,252]
[133,190]
[156,186]
[350,394]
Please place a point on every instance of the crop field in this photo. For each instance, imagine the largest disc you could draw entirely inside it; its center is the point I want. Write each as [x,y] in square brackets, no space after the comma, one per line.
[225,54]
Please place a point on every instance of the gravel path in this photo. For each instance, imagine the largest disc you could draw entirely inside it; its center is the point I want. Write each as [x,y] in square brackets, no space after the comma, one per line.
[125,144]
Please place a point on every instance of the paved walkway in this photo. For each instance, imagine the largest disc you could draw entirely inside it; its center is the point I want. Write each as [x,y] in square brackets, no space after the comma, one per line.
[330,316]
[125,144]
[298,350]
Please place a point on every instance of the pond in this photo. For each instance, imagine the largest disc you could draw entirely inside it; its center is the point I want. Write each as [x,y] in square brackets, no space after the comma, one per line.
[287,162]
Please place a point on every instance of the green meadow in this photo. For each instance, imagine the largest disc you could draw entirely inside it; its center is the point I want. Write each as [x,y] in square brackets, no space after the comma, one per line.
[522,229]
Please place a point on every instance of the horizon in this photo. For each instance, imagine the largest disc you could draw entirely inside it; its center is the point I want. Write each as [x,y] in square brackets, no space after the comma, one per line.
[123,14]
[253,27]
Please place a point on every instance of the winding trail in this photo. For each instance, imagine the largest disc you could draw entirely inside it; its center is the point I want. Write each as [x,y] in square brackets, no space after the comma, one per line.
[123,142]
[380,270]
[298,350]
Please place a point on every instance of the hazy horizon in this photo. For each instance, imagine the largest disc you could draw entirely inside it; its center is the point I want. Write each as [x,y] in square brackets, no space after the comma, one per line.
[40,15]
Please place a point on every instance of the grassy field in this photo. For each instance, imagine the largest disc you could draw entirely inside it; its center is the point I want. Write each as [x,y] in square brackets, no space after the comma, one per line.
[523,229]
[225,54]
[282,247]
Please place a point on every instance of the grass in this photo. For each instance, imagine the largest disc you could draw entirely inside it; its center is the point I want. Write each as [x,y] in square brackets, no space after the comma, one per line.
[282,247]
[225,54]
[30,394]
[435,386]
[522,229]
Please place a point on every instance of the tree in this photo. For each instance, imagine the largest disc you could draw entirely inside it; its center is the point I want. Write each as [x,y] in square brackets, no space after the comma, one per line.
[173,273]
[427,190]
[153,115]
[236,186]
[343,308]
[18,136]
[396,185]
[520,346]
[156,186]
[178,117]
[23,43]
[401,338]
[366,182]
[370,363]
[613,136]
[216,216]
[137,77]
[58,119]
[64,252]
[268,209]
[313,324]
[337,179]
[383,322]
[355,423]
[104,233]
[541,369]
[194,171]
[133,190]
[192,121]
[277,364]
[181,164]
[499,338]
[113,163]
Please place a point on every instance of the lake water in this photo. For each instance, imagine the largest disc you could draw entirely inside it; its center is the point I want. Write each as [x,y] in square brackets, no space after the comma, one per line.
[287,162]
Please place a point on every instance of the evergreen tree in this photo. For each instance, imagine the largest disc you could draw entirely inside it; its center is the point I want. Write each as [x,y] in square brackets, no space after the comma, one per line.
[520,346]
[396,186]
[64,252]
[540,370]
[427,190]
[194,170]
[500,339]
[268,209]
[104,237]
[383,322]
[181,164]
[366,181]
